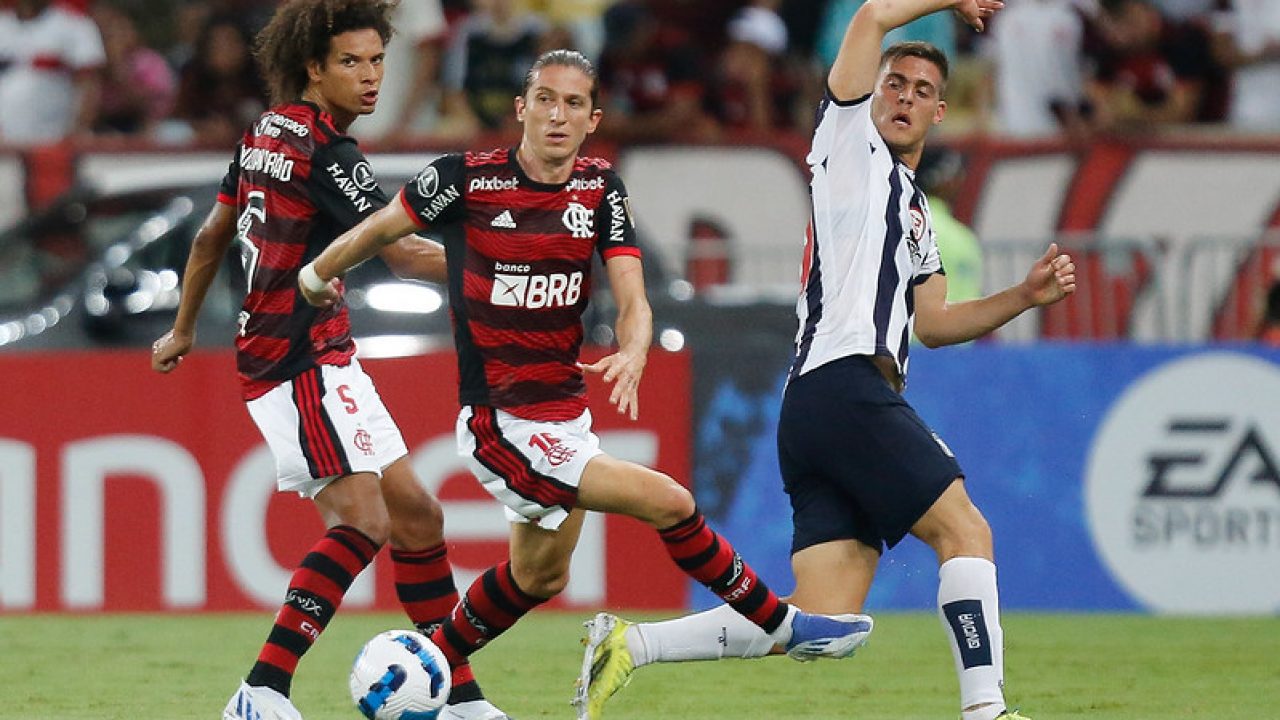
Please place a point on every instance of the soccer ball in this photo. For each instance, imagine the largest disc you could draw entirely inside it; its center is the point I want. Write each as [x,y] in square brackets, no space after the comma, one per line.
[400,675]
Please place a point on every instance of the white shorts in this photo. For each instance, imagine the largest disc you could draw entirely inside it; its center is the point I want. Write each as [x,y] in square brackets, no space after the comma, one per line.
[531,467]
[326,423]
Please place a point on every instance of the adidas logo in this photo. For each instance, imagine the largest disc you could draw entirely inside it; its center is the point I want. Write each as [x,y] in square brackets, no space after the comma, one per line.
[504,220]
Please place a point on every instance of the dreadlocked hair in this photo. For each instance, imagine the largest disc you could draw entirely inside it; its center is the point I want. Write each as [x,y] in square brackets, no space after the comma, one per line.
[300,31]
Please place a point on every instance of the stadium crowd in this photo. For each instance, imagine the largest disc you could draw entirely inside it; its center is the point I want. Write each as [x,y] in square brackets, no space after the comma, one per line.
[181,73]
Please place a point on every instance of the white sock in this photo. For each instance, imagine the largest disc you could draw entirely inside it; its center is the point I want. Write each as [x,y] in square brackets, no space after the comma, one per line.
[710,635]
[968,605]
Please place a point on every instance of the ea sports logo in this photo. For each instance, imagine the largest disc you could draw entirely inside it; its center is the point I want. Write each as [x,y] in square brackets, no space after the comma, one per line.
[1182,486]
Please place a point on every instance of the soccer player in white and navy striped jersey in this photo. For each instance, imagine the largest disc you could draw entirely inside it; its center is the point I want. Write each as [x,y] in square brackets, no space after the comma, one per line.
[861,468]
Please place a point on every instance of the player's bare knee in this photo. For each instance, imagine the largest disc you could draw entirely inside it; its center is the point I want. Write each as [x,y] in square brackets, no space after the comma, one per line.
[670,505]
[375,526]
[544,581]
[418,524]
[968,538]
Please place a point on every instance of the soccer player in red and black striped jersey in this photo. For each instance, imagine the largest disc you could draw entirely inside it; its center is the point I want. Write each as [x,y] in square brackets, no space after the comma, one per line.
[296,181]
[519,228]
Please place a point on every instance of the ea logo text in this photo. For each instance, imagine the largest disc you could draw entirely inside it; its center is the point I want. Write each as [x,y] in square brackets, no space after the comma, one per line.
[1182,486]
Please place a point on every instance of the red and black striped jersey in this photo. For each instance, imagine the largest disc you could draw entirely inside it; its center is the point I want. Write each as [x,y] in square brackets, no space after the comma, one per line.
[297,183]
[519,255]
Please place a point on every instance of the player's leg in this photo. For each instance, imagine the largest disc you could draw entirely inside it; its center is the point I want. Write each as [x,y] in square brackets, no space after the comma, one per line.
[321,454]
[536,571]
[906,482]
[424,578]
[968,599]
[617,486]
[832,578]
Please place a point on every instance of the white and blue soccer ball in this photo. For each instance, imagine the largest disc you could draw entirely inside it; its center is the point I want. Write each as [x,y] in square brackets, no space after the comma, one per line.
[400,675]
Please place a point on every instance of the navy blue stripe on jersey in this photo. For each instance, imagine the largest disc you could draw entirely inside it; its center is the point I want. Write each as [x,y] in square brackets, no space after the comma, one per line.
[813,298]
[905,341]
[888,268]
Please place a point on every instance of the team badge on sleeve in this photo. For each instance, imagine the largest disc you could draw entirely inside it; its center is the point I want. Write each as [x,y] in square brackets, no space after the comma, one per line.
[427,182]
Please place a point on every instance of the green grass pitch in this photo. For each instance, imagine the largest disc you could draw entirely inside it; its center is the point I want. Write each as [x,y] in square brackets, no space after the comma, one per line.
[1099,667]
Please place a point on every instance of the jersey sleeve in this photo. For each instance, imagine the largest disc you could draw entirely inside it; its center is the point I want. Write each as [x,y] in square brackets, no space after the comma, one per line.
[434,196]
[343,185]
[846,135]
[229,190]
[932,261]
[616,225]
[932,258]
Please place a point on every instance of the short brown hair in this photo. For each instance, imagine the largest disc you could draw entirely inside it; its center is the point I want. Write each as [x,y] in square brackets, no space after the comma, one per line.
[922,50]
[564,58]
[300,32]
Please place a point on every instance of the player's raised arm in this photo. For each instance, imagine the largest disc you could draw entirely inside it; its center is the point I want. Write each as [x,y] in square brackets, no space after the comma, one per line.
[316,278]
[207,250]
[854,72]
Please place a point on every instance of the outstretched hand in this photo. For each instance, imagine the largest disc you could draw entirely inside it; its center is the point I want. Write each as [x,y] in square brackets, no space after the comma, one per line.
[624,371]
[1051,278]
[974,13]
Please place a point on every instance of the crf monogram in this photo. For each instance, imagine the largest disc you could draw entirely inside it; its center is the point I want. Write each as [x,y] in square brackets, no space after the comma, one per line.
[363,441]
[557,452]
[577,217]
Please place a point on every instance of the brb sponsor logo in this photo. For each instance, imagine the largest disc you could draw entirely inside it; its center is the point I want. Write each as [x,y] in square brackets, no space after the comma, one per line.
[534,291]
[1183,486]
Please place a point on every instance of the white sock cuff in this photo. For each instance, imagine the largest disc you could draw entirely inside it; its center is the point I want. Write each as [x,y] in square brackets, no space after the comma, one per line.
[966,571]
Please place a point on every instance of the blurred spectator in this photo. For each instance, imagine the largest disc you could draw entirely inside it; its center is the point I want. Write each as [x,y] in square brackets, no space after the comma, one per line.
[940,175]
[1150,70]
[50,58]
[1248,42]
[219,92]
[409,98]
[1186,9]
[189,19]
[651,79]
[751,72]
[708,19]
[138,85]
[485,66]
[1038,84]
[582,19]
[937,28]
[1269,326]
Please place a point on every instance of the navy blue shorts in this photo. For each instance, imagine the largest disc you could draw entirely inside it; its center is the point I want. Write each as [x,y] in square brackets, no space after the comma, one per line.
[857,462]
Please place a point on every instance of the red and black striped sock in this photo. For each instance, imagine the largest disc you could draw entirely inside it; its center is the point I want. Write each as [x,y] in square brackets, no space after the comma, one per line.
[424,584]
[707,557]
[315,592]
[492,604]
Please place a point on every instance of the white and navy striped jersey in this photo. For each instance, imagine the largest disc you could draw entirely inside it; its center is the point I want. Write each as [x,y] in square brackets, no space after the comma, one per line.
[870,241]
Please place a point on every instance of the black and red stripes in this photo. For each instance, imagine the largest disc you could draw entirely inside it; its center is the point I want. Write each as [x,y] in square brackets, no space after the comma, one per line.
[502,458]
[316,433]
[425,587]
[492,604]
[315,592]
[424,584]
[709,558]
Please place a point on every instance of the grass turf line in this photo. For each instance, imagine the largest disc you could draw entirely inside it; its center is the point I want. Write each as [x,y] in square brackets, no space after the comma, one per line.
[1100,667]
